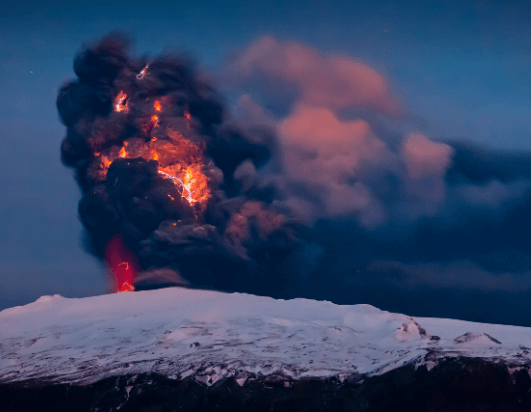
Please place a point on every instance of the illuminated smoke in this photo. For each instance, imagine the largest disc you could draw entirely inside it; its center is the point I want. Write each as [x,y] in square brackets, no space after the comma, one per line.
[193,193]
[155,160]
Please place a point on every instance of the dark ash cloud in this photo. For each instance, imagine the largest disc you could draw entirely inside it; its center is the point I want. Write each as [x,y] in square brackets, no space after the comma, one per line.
[156,161]
[319,187]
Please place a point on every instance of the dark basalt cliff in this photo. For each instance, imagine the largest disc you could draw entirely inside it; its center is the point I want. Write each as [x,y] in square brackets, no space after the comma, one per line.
[454,384]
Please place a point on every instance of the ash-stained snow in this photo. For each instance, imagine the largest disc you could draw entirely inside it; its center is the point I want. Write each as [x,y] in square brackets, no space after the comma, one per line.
[211,335]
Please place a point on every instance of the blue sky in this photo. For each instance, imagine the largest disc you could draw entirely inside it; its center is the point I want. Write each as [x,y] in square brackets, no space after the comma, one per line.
[461,68]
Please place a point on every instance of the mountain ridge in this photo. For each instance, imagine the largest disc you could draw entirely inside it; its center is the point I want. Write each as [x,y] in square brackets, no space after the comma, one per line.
[178,332]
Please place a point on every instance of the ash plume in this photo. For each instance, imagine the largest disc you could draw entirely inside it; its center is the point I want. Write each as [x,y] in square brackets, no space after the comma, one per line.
[316,185]
[160,166]
[399,220]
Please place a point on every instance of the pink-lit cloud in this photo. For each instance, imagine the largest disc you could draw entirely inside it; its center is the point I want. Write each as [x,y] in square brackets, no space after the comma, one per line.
[426,164]
[338,159]
[335,82]
[322,150]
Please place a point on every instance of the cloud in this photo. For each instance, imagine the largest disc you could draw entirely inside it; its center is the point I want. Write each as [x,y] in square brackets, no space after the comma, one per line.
[328,198]
[400,220]
[336,82]
[324,152]
[424,157]
[455,275]
[494,194]
[426,164]
[334,166]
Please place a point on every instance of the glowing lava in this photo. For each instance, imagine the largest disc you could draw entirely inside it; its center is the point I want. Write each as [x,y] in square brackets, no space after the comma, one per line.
[122,264]
[179,159]
[142,73]
[120,103]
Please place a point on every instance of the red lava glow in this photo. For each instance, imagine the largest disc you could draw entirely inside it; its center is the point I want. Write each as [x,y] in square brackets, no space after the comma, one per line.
[123,265]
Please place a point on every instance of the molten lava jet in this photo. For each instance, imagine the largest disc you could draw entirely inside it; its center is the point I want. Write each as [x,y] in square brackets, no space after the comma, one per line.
[122,265]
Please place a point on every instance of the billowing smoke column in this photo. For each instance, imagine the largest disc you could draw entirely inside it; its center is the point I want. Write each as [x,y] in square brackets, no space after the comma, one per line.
[176,191]
[156,163]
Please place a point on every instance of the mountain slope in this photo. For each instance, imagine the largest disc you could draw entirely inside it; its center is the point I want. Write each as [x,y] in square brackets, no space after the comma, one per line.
[217,340]
[180,332]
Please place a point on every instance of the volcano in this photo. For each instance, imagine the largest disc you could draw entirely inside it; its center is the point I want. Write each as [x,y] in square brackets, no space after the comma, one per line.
[178,349]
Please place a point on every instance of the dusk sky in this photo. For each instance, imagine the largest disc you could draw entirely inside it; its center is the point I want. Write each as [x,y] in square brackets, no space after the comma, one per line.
[456,71]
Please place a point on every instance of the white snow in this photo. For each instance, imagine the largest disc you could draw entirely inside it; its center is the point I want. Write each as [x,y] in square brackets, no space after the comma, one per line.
[210,335]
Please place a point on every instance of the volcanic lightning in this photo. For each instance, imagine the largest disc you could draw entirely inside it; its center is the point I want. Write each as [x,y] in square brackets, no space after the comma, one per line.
[156,158]
[187,177]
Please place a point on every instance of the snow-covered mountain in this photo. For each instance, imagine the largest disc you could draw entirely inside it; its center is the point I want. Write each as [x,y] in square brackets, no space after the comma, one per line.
[208,335]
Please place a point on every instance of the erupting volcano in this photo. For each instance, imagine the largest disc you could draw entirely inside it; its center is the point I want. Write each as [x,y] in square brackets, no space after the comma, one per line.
[155,155]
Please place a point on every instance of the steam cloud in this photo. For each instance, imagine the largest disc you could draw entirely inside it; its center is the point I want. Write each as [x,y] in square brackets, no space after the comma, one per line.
[400,221]
[315,189]
[334,165]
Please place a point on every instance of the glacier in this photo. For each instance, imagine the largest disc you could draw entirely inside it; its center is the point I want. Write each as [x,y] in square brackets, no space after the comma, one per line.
[209,336]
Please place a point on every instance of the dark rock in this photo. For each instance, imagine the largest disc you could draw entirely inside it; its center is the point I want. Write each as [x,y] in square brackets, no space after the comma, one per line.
[455,384]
